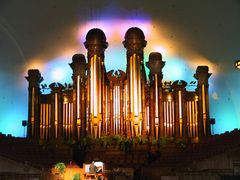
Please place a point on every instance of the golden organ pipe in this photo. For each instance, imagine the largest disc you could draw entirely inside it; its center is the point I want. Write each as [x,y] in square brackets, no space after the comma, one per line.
[33,113]
[117,108]
[193,117]
[69,118]
[139,86]
[46,120]
[68,121]
[91,88]
[126,97]
[164,118]
[116,104]
[50,117]
[136,103]
[196,114]
[180,111]
[131,91]
[106,112]
[204,109]
[173,118]
[89,94]
[56,114]
[114,113]
[180,104]
[71,122]
[190,117]
[65,119]
[147,118]
[118,101]
[78,96]
[33,100]
[95,89]
[167,117]
[41,119]
[156,96]
[170,118]
[99,88]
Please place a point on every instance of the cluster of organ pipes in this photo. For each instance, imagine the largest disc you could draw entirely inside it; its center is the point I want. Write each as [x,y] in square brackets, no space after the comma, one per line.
[129,104]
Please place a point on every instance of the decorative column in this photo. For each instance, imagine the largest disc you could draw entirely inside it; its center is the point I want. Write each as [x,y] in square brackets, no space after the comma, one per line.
[156,65]
[57,109]
[180,110]
[135,43]
[34,79]
[79,67]
[96,45]
[202,76]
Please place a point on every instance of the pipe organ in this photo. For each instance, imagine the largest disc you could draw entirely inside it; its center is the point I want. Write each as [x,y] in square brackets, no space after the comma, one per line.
[100,103]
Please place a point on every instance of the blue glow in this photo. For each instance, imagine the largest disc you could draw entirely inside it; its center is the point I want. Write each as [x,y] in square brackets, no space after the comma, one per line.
[115,58]
[13,96]
[13,105]
[177,69]
[224,102]
[57,70]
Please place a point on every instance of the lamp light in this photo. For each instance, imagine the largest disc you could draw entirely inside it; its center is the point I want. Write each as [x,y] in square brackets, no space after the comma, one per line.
[237,64]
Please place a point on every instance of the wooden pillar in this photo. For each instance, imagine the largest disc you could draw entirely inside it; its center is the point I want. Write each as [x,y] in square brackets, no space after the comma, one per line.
[96,45]
[134,43]
[179,88]
[79,67]
[57,109]
[202,76]
[34,79]
[155,65]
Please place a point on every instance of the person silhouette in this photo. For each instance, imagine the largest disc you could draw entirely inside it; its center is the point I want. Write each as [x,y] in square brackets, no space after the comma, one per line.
[92,168]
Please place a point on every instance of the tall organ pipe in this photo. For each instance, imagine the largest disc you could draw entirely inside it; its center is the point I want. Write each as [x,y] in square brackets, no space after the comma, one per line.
[34,79]
[96,45]
[202,76]
[155,64]
[79,97]
[134,43]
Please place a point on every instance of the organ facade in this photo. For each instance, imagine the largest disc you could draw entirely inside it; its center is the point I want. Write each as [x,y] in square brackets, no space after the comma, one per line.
[125,103]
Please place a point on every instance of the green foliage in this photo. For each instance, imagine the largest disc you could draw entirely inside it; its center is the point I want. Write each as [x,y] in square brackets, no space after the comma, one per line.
[141,140]
[163,141]
[117,140]
[76,177]
[106,141]
[85,142]
[60,166]
[127,144]
[180,143]
[154,141]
